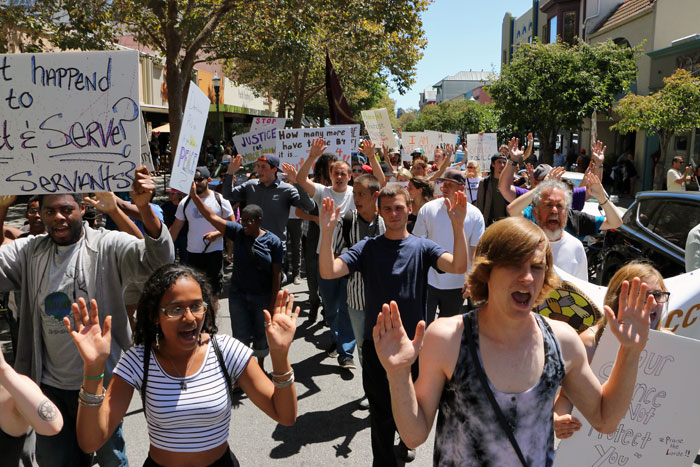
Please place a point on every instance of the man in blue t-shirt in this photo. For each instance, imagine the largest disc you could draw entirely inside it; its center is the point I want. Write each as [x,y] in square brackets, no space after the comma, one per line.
[394,267]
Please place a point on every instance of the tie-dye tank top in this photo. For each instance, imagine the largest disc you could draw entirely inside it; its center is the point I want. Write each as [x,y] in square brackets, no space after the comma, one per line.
[468,432]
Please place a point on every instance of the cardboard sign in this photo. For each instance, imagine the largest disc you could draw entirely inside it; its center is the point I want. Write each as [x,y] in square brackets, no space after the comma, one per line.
[254,144]
[480,148]
[69,122]
[660,425]
[379,127]
[260,123]
[146,157]
[189,143]
[683,316]
[293,145]
[410,140]
[439,139]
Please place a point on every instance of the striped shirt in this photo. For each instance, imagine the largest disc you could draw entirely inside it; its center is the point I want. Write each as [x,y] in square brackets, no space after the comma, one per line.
[358,229]
[197,418]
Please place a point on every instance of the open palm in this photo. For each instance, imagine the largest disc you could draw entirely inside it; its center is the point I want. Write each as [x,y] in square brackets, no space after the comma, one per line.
[282,324]
[93,343]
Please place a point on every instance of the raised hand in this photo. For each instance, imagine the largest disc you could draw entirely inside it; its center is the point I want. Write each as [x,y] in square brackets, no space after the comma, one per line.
[7,200]
[93,343]
[531,174]
[290,172]
[367,148]
[457,210]
[593,184]
[449,150]
[143,187]
[282,324]
[555,174]
[565,425]
[631,326]
[394,349]
[329,215]
[515,153]
[318,146]
[598,152]
[234,165]
[193,191]
[104,201]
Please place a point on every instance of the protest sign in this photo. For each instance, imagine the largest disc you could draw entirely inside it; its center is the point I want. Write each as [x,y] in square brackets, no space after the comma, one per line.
[146,158]
[69,122]
[260,123]
[480,148]
[411,140]
[189,143]
[293,145]
[439,139]
[379,127]
[660,425]
[256,143]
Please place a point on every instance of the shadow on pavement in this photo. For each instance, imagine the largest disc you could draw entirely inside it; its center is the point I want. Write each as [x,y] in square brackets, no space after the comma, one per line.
[321,427]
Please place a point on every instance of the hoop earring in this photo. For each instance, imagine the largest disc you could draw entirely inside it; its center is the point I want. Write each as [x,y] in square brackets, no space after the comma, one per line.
[157,333]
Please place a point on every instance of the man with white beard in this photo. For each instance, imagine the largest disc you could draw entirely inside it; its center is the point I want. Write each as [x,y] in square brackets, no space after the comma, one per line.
[550,201]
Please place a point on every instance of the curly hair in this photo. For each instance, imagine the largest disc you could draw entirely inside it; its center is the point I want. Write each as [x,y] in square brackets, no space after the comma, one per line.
[509,242]
[154,289]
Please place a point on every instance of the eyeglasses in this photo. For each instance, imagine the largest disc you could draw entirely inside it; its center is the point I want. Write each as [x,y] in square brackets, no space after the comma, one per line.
[197,309]
[199,179]
[660,297]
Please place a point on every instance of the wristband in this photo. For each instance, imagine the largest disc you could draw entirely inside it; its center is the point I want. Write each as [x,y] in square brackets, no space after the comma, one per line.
[94,377]
[513,163]
[290,372]
[605,202]
[599,166]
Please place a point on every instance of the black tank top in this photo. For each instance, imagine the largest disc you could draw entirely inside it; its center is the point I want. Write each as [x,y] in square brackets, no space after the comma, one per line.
[468,432]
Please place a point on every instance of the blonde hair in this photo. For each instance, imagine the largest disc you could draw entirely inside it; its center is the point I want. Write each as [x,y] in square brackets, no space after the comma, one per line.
[404,172]
[509,242]
[474,165]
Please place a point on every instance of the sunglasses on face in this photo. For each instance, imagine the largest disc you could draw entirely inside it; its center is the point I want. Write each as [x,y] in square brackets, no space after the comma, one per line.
[199,179]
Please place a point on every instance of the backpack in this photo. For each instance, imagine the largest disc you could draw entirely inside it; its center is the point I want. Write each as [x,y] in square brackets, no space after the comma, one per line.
[187,201]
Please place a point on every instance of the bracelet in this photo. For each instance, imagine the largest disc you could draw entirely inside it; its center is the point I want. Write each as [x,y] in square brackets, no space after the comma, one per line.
[599,166]
[606,202]
[290,372]
[284,384]
[90,398]
[94,377]
[89,404]
[513,163]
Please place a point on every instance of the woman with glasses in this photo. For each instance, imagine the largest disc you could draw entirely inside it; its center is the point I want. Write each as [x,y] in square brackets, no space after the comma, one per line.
[182,369]
[473,178]
[564,424]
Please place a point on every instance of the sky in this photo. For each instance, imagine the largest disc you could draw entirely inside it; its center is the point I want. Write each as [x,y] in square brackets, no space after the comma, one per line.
[462,35]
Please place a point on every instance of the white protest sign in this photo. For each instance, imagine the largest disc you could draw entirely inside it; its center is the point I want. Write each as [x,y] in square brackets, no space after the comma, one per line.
[146,158]
[69,122]
[410,140]
[293,145]
[438,139]
[189,143]
[481,147]
[260,123]
[379,127]
[254,144]
[660,425]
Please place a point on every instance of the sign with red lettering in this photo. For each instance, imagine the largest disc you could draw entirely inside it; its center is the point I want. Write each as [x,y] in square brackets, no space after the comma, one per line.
[660,425]
[69,122]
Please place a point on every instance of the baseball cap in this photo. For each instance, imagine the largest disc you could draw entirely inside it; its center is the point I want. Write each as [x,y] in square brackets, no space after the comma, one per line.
[204,172]
[366,168]
[385,168]
[417,151]
[271,159]
[542,170]
[498,156]
[454,175]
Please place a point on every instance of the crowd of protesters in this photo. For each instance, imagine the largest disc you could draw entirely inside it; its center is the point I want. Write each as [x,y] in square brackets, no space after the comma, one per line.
[427,267]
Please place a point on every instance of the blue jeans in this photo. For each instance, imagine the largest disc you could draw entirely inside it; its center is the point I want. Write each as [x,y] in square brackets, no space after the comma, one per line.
[335,303]
[357,319]
[62,450]
[248,320]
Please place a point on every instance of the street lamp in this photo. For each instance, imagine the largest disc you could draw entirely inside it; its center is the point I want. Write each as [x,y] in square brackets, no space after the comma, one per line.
[217,86]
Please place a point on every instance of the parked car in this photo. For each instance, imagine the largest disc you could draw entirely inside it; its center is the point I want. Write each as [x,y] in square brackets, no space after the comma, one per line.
[654,228]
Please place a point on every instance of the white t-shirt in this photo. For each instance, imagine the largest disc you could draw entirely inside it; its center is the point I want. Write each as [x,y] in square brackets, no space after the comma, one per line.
[434,223]
[471,189]
[344,201]
[569,255]
[671,176]
[198,225]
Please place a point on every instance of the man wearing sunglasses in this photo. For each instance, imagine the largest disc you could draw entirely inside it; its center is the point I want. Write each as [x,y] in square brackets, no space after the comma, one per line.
[204,242]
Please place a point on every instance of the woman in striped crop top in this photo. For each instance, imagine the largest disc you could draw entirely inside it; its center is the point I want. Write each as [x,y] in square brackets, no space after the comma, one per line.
[189,370]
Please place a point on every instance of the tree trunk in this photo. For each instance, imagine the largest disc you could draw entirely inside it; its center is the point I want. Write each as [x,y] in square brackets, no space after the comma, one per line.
[665,138]
[547,144]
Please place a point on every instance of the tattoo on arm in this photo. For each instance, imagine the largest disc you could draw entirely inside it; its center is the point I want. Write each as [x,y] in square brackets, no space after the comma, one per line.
[47,410]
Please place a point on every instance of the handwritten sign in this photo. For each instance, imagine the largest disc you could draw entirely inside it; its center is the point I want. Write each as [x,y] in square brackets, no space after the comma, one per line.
[439,139]
[146,158]
[190,141]
[379,127]
[260,123]
[254,144]
[410,141]
[480,148]
[69,122]
[293,145]
[660,425]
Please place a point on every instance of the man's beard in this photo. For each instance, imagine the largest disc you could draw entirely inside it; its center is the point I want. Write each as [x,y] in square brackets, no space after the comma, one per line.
[553,235]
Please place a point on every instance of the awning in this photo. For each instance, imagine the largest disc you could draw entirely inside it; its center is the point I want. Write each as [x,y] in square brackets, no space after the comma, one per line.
[162,129]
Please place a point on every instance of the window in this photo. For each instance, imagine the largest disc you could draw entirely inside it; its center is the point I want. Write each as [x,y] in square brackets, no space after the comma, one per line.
[675,221]
[552,28]
[569,27]
[647,209]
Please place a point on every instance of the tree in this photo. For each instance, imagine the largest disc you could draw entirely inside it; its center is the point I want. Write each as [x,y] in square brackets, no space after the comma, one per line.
[280,50]
[463,116]
[673,109]
[550,87]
